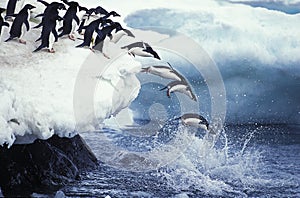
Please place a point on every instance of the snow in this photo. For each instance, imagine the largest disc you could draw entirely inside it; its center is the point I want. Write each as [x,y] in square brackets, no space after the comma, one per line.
[258,58]
[37,88]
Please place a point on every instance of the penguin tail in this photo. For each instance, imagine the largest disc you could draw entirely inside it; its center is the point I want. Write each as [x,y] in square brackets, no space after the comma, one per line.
[81,45]
[38,39]
[163,88]
[10,38]
[38,49]
[144,70]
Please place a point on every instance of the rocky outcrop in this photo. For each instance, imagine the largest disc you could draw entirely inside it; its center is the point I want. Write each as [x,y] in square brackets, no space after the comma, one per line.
[43,166]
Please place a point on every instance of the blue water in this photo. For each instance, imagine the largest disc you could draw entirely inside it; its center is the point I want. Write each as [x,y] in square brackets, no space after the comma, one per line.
[247,161]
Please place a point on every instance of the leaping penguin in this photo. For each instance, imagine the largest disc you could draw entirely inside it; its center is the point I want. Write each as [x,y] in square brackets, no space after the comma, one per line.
[2,22]
[180,86]
[193,119]
[141,49]
[21,24]
[163,71]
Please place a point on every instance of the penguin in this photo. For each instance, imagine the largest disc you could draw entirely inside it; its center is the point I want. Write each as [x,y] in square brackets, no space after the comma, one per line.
[49,33]
[71,19]
[2,22]
[179,86]
[193,119]
[21,24]
[141,49]
[163,71]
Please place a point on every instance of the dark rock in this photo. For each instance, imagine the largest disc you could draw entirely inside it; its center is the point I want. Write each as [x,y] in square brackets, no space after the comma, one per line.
[43,166]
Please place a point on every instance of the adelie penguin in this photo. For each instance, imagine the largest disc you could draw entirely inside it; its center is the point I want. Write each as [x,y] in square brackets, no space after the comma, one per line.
[21,24]
[49,33]
[195,120]
[2,22]
[180,86]
[163,71]
[141,49]
[71,20]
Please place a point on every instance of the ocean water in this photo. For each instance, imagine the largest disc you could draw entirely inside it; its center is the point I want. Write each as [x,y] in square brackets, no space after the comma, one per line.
[246,161]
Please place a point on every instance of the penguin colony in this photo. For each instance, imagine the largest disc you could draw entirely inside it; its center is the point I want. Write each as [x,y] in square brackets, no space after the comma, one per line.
[95,25]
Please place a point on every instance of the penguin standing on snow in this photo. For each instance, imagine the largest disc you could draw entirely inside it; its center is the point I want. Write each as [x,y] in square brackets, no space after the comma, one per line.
[2,22]
[49,33]
[21,24]
[71,19]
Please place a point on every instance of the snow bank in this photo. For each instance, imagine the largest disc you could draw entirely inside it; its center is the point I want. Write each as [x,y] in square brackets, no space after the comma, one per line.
[257,51]
[37,89]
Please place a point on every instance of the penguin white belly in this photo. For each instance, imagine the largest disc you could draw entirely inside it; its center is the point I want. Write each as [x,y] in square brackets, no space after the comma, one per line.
[74,25]
[165,73]
[23,31]
[117,36]
[139,52]
[179,88]
[192,121]
[51,41]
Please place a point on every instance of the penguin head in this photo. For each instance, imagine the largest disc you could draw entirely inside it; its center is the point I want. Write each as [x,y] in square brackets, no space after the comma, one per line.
[204,123]
[29,7]
[114,14]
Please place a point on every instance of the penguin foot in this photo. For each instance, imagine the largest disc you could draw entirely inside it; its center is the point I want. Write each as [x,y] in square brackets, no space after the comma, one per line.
[72,37]
[22,41]
[92,50]
[106,56]
[51,50]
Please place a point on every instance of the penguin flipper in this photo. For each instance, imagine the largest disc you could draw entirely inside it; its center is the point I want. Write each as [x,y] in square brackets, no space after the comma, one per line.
[77,20]
[5,24]
[27,25]
[39,15]
[10,38]
[40,38]
[55,34]
[43,2]
[129,33]
[163,88]
[39,25]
